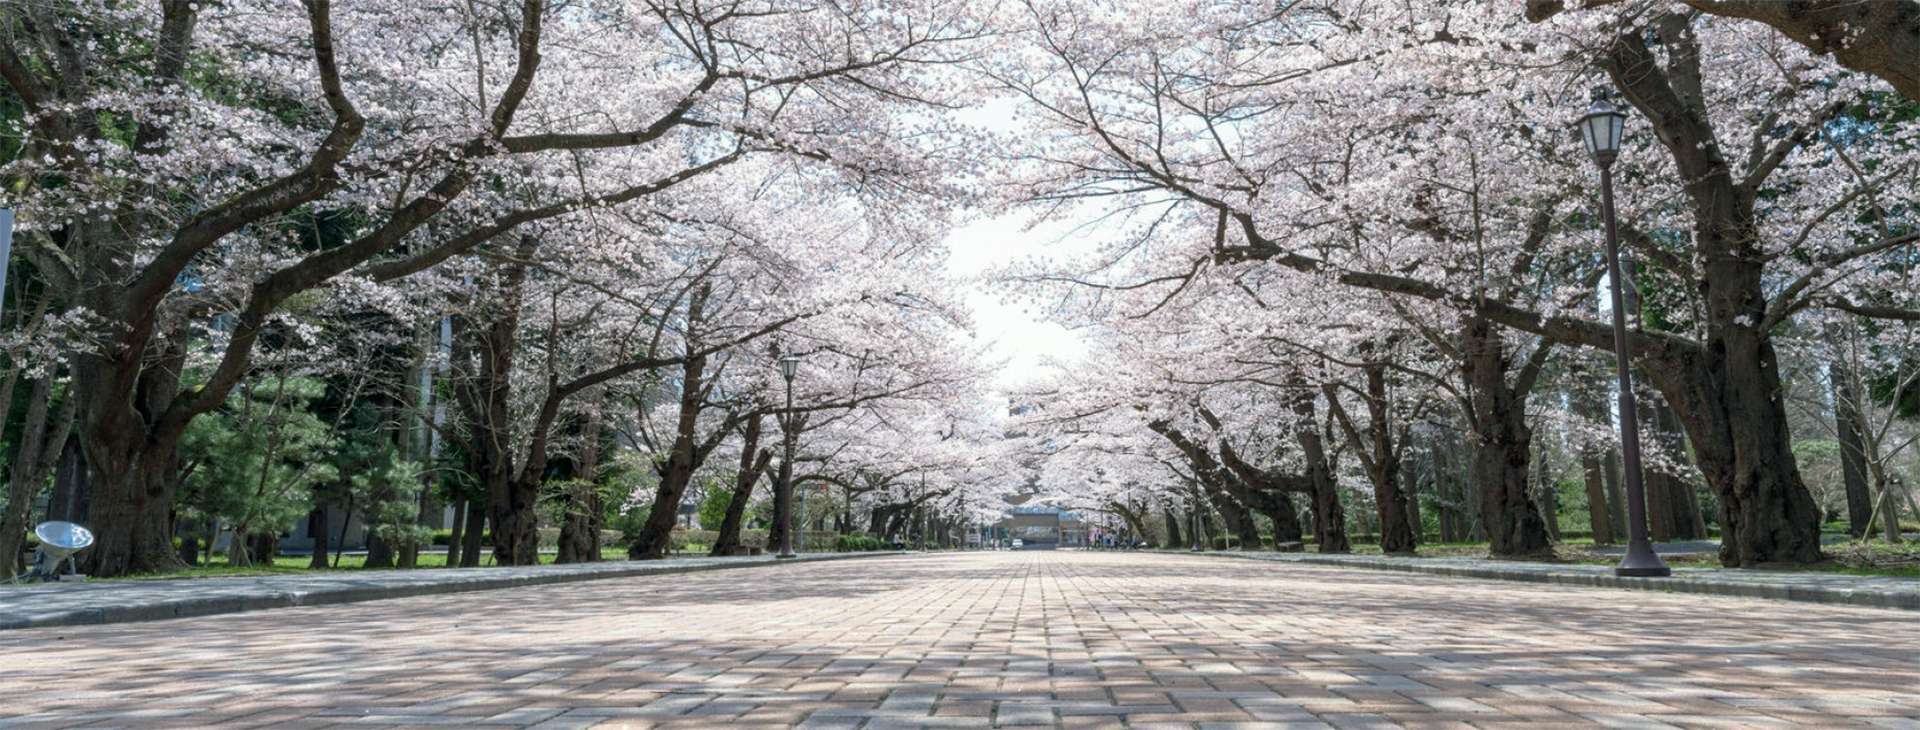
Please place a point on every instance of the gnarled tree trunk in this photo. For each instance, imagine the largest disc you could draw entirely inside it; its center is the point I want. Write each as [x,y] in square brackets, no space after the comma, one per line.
[1502,446]
[1379,452]
[41,440]
[753,463]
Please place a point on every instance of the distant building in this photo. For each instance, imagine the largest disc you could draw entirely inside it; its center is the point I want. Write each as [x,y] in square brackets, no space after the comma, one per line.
[1041,527]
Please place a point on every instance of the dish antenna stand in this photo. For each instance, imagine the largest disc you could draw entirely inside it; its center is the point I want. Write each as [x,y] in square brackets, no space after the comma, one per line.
[58,542]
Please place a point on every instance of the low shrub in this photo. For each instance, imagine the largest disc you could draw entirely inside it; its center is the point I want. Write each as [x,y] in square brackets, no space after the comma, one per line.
[1226,542]
[856,543]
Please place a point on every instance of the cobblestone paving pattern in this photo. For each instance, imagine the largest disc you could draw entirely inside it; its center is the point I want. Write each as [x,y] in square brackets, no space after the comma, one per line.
[1062,640]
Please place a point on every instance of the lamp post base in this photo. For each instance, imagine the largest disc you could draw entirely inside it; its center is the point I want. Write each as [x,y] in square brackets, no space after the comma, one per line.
[1642,562]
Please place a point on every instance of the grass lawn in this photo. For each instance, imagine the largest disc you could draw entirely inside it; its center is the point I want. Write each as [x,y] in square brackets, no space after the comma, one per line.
[297,565]
[1870,557]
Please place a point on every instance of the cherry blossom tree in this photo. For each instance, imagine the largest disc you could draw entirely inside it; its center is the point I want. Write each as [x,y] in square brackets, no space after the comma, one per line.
[164,139]
[1391,148]
[1880,38]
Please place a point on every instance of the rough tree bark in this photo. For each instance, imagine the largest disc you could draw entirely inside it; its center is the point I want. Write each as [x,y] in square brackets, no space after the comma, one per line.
[1853,449]
[1251,487]
[1329,518]
[1378,448]
[580,529]
[485,394]
[475,539]
[317,527]
[456,534]
[1880,37]
[754,460]
[1503,442]
[41,440]
[683,458]
[1587,405]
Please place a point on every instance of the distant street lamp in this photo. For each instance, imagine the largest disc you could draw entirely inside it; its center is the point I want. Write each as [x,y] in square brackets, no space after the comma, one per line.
[1601,128]
[783,492]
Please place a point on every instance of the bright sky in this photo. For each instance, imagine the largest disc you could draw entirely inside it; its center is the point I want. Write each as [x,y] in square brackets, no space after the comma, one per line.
[1012,329]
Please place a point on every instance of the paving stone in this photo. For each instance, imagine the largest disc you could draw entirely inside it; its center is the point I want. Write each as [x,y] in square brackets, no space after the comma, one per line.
[1039,640]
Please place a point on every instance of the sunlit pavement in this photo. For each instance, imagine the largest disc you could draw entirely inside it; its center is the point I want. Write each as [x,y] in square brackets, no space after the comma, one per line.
[1026,639]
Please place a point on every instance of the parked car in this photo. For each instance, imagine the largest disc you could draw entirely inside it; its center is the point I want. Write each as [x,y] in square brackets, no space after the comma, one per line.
[1017,543]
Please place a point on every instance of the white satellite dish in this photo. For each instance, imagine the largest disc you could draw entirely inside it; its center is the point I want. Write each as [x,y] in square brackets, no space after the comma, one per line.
[58,542]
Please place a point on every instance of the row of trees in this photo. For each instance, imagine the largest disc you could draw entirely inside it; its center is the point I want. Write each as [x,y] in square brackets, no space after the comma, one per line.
[1343,235]
[279,255]
[502,247]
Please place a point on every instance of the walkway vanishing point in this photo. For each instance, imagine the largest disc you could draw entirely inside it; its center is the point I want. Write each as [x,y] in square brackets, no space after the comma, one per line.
[1061,640]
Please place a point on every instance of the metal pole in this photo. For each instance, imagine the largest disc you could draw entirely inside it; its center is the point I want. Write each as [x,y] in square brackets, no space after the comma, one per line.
[783,497]
[6,252]
[1640,559]
[1193,524]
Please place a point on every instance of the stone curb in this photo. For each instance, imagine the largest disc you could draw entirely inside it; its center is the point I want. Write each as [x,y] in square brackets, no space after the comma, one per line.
[1782,588]
[330,589]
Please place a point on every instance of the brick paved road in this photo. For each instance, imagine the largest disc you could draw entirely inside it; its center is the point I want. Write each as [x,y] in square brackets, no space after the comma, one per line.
[1002,639]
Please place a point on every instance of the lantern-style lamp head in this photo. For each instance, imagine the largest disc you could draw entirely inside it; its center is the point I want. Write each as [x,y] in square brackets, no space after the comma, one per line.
[788,366]
[1601,127]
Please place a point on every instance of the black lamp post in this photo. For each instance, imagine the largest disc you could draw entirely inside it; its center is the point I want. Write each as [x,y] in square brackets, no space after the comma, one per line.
[783,494]
[1601,128]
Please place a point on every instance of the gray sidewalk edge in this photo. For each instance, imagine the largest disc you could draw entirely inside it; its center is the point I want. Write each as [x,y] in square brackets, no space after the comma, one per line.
[1557,575]
[465,580]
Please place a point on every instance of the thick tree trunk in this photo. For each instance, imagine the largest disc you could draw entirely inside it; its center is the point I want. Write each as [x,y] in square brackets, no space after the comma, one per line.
[1593,470]
[1410,484]
[1682,506]
[1237,518]
[753,463]
[476,538]
[1737,425]
[456,535]
[379,553]
[1889,511]
[1597,518]
[1725,386]
[484,348]
[133,464]
[1380,459]
[577,543]
[1173,527]
[1502,447]
[1136,519]
[1286,520]
[190,551]
[1443,497]
[41,441]
[1329,517]
[580,530]
[676,472]
[1656,481]
[1853,449]
[516,523]
[263,546]
[1616,493]
[317,527]
[1549,498]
